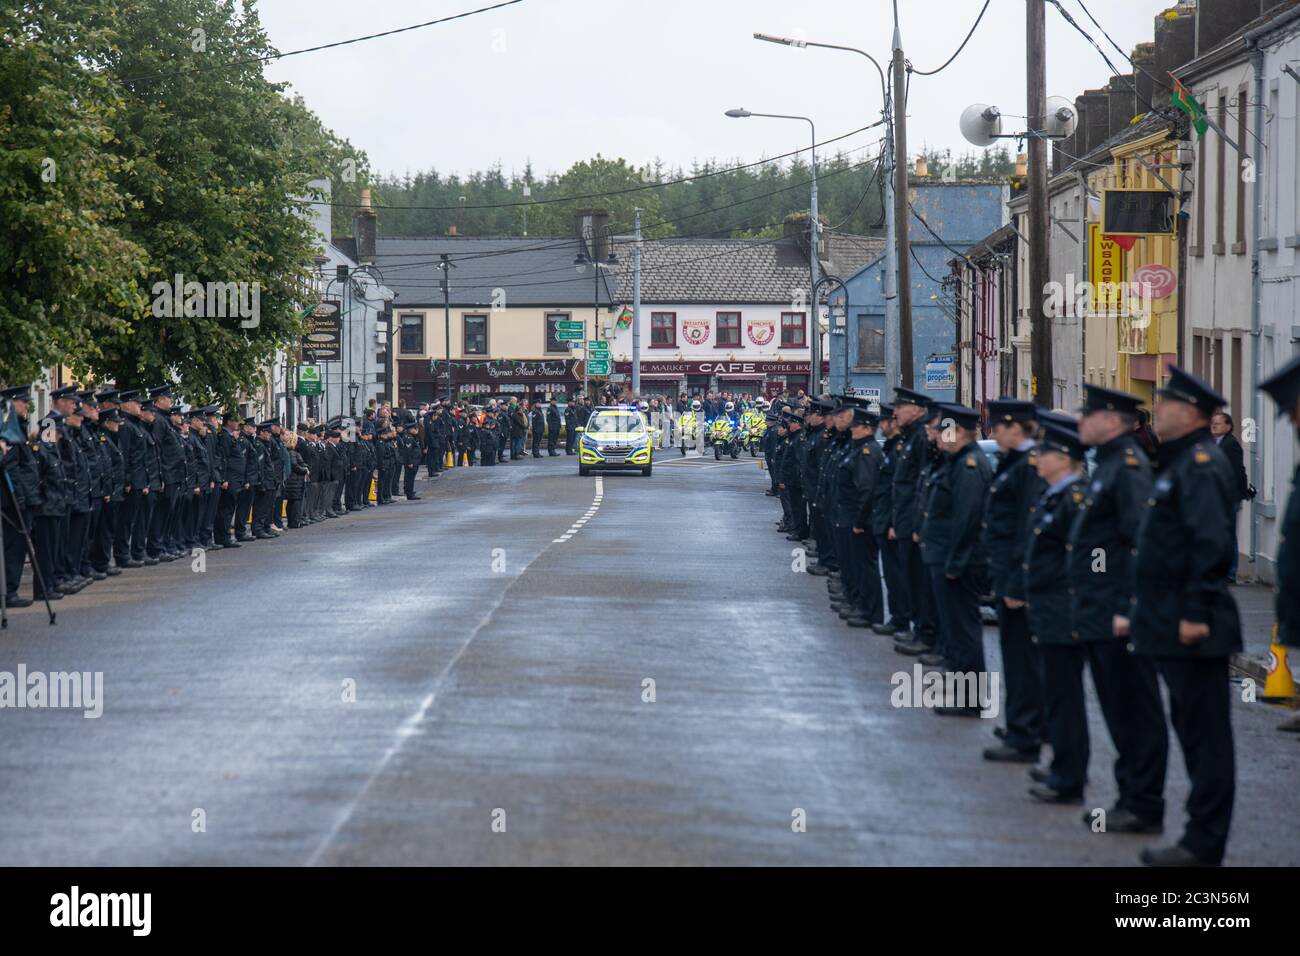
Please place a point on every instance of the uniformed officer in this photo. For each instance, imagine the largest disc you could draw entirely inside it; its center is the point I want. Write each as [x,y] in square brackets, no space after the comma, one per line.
[882,518]
[791,484]
[952,547]
[925,608]
[1284,388]
[1099,567]
[252,480]
[1183,614]
[552,428]
[1013,496]
[171,461]
[909,465]
[128,538]
[570,428]
[21,494]
[1059,460]
[856,473]
[819,435]
[231,455]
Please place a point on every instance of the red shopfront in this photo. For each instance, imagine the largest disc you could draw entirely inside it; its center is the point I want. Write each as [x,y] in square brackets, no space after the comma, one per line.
[692,379]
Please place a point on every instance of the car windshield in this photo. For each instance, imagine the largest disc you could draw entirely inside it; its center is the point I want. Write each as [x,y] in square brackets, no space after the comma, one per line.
[604,423]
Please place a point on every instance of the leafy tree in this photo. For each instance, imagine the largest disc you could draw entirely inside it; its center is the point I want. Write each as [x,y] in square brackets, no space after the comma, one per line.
[68,274]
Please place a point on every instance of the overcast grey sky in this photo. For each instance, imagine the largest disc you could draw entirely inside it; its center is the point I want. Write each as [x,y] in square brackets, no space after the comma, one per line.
[557,81]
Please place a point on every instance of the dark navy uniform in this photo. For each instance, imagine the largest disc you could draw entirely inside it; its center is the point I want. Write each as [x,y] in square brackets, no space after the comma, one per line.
[952,548]
[1099,567]
[909,467]
[882,519]
[1013,496]
[856,471]
[1061,654]
[1184,550]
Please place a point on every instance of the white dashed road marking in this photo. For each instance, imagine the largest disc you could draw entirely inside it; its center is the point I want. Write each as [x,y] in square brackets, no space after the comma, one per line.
[587,515]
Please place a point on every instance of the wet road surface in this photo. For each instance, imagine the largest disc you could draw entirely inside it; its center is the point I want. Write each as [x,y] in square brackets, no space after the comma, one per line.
[503,636]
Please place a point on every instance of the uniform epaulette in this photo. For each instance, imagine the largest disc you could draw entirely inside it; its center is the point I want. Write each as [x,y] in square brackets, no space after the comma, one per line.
[1031,459]
[1078,496]
[1201,456]
[866,449]
[970,461]
[1130,459]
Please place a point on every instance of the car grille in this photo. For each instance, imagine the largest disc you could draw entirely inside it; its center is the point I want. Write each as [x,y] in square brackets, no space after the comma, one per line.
[616,451]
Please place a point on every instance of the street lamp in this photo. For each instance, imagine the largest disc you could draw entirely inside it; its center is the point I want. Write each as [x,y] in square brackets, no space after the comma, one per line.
[815,350]
[353,387]
[892,324]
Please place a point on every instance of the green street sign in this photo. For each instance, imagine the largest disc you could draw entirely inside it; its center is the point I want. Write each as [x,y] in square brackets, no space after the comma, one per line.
[571,325]
[309,382]
[569,335]
[597,347]
[597,366]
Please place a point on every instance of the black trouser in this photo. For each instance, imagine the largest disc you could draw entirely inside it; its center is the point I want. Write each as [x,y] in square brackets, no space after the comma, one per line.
[243,512]
[140,527]
[207,531]
[45,541]
[15,550]
[917,579]
[1066,715]
[787,513]
[92,536]
[961,631]
[1130,701]
[1023,676]
[102,545]
[537,444]
[263,501]
[127,511]
[1200,710]
[295,508]
[858,571]
[824,534]
[74,544]
[409,482]
[159,521]
[227,505]
[552,436]
[798,511]
[900,610]
[770,473]
[570,438]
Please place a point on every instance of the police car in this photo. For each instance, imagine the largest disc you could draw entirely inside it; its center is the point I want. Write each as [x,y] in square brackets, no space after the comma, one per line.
[616,438]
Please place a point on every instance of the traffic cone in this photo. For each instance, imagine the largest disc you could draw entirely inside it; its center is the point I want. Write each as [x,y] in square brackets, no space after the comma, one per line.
[1279,685]
[372,490]
[451,459]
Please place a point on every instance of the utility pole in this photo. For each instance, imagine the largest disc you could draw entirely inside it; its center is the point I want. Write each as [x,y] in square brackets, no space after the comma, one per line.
[1039,323]
[815,330]
[636,308]
[445,266]
[892,329]
[901,211]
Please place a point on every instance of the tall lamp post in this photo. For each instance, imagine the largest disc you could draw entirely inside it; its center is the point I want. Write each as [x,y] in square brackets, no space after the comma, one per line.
[836,280]
[815,342]
[582,260]
[896,326]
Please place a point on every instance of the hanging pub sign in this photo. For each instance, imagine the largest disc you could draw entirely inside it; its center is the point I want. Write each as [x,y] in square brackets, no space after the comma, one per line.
[323,340]
[1137,212]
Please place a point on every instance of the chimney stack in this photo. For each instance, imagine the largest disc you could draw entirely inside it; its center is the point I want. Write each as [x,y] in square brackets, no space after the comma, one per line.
[1216,20]
[592,226]
[1175,42]
[1122,103]
[365,225]
[1093,110]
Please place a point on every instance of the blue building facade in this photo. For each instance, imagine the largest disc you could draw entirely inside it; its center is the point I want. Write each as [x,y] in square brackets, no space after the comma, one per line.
[958,215]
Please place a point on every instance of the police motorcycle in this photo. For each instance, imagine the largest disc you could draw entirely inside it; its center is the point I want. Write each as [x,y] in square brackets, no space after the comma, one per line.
[689,425]
[753,426]
[725,432]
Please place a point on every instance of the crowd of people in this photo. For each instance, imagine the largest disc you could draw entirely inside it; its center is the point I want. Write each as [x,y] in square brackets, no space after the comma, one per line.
[1116,562]
[114,479]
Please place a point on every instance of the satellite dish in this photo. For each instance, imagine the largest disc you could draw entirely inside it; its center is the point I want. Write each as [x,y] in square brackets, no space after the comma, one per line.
[981,124]
[1061,118]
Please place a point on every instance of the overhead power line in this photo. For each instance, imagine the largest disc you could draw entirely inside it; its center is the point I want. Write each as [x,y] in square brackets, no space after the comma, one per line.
[323,46]
[911,69]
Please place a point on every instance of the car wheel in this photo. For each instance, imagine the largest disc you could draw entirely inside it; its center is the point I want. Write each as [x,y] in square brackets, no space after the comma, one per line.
[583,471]
[717,453]
[735,453]
[645,472]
